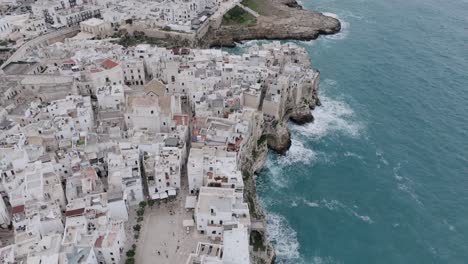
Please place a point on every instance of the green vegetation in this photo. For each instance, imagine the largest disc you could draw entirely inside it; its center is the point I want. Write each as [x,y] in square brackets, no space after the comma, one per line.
[250,201]
[130,261]
[141,211]
[238,16]
[138,38]
[130,253]
[256,240]
[143,204]
[245,175]
[252,4]
[150,203]
[261,140]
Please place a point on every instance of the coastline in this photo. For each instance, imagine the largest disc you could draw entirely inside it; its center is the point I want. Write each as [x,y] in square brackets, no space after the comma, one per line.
[291,23]
[274,136]
[273,20]
[278,20]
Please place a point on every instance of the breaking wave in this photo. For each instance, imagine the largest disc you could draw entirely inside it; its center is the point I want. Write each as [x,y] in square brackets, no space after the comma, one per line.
[297,153]
[333,116]
[284,239]
[276,175]
[335,205]
[344,32]
[332,205]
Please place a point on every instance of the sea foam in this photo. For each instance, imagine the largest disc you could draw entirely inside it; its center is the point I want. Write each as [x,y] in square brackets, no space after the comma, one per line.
[284,238]
[332,117]
[344,27]
[297,153]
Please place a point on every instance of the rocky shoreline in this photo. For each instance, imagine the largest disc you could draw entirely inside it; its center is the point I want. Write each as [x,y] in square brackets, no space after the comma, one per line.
[278,20]
[275,135]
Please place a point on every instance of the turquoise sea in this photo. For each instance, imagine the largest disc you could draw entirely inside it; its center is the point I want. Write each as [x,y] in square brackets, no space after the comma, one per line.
[381,176]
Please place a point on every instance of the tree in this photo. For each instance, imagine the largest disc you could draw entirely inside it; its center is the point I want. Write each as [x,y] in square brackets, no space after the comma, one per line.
[140,212]
[137,227]
[130,253]
[143,204]
[151,203]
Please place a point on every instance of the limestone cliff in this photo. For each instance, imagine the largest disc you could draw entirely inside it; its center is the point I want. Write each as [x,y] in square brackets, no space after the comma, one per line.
[277,131]
[272,134]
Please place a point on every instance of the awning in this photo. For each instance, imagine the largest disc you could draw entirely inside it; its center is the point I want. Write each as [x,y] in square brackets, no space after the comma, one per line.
[155,196]
[188,222]
[172,192]
[163,195]
[190,202]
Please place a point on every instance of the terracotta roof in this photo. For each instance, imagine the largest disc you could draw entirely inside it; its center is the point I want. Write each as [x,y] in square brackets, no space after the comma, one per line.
[17,209]
[108,64]
[181,119]
[98,242]
[69,61]
[75,212]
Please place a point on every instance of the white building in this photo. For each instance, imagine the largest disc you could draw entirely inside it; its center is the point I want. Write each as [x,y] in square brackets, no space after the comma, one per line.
[213,167]
[110,97]
[134,71]
[234,250]
[218,209]
[143,114]
[96,27]
[106,72]
[236,245]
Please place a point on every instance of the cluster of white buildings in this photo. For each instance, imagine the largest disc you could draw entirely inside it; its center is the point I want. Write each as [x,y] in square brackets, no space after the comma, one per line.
[103,18]
[21,27]
[89,129]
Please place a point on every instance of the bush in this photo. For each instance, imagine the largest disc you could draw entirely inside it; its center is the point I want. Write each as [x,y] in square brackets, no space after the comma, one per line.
[130,253]
[151,203]
[141,212]
[143,204]
[137,227]
[130,261]
[237,15]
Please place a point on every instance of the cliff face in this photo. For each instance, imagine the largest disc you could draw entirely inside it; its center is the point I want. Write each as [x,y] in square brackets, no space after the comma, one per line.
[277,131]
[274,135]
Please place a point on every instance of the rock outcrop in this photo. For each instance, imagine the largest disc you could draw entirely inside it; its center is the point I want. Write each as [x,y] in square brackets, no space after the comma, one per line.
[302,116]
[279,137]
[279,19]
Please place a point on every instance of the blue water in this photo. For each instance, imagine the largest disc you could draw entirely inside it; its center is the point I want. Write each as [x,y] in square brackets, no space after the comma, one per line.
[382,174]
